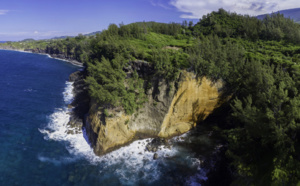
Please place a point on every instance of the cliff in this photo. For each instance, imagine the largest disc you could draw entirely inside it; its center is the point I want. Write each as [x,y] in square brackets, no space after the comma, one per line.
[173,108]
[60,56]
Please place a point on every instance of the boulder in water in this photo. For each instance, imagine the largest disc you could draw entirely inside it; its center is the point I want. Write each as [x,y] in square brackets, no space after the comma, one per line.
[155,156]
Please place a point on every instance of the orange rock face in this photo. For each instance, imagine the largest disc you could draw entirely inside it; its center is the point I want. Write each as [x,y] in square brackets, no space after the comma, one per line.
[170,113]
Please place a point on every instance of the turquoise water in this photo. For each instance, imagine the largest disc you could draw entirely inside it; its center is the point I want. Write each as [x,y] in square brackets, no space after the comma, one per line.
[37,150]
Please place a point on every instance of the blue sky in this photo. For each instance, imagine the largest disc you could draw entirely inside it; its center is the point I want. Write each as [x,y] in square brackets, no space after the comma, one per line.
[41,19]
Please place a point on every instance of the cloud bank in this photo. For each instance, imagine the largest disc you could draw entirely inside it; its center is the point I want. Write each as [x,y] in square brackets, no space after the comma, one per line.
[3,12]
[195,9]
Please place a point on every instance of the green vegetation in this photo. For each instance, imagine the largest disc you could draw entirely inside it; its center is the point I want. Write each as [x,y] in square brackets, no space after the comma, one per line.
[119,45]
[257,59]
[273,27]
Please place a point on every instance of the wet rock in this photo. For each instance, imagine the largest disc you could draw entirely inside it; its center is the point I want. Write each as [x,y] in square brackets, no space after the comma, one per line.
[157,144]
[155,156]
[75,76]
[149,147]
[70,132]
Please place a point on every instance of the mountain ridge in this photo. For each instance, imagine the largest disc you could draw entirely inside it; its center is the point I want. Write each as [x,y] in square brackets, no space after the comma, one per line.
[288,13]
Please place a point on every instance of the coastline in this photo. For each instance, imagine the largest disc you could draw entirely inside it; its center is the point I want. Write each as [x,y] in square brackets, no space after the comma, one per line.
[80,102]
[73,62]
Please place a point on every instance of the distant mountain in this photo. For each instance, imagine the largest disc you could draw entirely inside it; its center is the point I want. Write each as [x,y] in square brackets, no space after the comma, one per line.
[2,41]
[290,13]
[64,37]
[93,33]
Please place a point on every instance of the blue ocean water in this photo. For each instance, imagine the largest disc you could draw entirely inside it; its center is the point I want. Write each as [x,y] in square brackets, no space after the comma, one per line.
[37,149]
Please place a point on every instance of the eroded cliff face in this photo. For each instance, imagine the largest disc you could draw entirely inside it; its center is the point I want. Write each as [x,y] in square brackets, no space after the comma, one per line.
[172,109]
[194,100]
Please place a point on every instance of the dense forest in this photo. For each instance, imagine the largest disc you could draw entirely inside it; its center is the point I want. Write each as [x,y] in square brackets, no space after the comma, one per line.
[259,60]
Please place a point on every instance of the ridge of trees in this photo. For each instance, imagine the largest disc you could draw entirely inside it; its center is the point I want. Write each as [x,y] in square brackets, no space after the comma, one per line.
[272,27]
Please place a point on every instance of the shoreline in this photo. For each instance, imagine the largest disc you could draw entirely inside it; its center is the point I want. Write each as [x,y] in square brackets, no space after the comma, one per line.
[73,62]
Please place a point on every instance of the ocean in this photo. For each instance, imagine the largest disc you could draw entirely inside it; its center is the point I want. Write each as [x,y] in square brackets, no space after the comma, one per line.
[36,148]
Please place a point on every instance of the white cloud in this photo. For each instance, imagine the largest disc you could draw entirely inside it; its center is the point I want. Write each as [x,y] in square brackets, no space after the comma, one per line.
[194,9]
[35,32]
[159,3]
[3,12]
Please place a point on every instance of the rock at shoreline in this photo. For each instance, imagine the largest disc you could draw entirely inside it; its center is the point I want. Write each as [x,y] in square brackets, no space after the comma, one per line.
[156,144]
[76,76]
[81,100]
[155,156]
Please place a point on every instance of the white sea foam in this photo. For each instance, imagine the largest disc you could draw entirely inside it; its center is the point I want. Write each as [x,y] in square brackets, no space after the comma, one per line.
[68,93]
[133,159]
[58,128]
[76,63]
[180,138]
[57,162]
[29,90]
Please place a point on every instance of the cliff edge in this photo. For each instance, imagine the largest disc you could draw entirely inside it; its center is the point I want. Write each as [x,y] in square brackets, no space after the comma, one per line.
[173,108]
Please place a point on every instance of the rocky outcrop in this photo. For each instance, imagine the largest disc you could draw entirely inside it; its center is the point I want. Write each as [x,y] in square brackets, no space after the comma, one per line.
[172,108]
[81,101]
[55,56]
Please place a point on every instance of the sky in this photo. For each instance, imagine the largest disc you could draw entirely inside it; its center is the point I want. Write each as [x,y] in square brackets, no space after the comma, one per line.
[43,19]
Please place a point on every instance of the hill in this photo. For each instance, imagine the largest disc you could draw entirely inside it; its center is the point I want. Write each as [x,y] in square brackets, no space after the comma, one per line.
[93,33]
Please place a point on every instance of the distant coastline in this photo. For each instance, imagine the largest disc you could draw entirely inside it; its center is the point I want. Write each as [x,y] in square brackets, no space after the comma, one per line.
[74,62]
